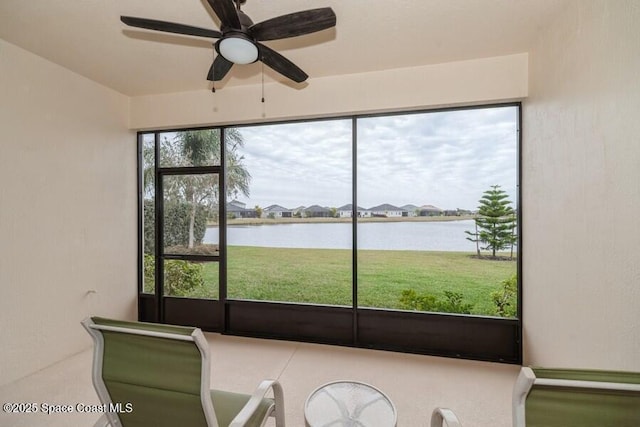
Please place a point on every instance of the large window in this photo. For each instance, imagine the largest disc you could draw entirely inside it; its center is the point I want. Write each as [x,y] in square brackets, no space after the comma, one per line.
[438,224]
[395,231]
[285,238]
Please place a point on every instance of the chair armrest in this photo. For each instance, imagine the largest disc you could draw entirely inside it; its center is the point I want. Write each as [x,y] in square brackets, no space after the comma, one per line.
[521,389]
[440,414]
[103,421]
[250,407]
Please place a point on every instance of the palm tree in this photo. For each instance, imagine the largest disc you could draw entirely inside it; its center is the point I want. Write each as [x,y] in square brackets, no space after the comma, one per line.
[200,148]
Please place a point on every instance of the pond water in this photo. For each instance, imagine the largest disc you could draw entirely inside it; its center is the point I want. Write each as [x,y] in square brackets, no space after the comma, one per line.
[425,236]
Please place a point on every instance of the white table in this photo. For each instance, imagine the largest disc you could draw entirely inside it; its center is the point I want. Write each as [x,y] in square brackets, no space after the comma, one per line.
[349,404]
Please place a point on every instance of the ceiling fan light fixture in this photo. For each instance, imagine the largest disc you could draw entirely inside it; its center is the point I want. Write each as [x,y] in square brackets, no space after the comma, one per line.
[238,49]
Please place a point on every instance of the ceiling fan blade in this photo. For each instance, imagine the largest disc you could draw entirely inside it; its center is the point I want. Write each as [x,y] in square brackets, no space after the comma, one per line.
[226,11]
[169,27]
[219,69]
[294,24]
[281,64]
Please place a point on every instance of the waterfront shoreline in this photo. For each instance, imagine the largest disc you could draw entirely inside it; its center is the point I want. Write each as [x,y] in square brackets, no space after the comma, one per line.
[274,221]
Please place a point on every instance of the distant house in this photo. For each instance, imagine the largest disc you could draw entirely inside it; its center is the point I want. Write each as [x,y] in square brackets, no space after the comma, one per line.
[316,211]
[410,210]
[299,211]
[236,209]
[276,211]
[346,211]
[430,210]
[386,210]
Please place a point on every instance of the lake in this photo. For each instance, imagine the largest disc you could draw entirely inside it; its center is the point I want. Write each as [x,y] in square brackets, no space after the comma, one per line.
[422,236]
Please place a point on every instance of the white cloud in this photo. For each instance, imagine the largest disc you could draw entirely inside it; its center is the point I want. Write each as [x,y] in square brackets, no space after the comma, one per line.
[447,159]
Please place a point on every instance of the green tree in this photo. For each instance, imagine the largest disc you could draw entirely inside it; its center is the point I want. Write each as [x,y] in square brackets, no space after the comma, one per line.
[496,221]
[475,238]
[258,210]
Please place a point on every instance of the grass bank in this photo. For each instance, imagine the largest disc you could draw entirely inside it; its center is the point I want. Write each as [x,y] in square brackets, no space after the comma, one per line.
[323,276]
[267,221]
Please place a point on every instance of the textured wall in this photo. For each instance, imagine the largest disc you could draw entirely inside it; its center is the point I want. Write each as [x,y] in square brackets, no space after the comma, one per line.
[466,82]
[582,189]
[67,210]
[67,163]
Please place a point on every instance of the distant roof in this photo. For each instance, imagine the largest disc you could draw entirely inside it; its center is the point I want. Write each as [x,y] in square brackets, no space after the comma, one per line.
[275,208]
[430,208]
[232,207]
[409,207]
[385,207]
[316,208]
[349,207]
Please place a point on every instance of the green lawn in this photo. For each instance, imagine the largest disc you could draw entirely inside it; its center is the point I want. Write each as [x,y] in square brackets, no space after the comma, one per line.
[323,276]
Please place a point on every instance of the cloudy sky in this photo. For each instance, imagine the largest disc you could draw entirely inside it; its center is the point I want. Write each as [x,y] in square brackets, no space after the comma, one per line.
[447,159]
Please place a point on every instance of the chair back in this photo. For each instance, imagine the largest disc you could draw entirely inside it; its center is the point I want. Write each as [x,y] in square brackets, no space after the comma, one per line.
[580,398]
[151,375]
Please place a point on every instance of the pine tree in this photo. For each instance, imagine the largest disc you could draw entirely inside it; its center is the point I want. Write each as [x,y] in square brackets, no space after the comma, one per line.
[496,220]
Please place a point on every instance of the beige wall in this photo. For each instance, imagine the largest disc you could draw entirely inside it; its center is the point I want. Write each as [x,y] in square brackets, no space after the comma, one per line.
[466,82]
[67,210]
[582,190]
[581,183]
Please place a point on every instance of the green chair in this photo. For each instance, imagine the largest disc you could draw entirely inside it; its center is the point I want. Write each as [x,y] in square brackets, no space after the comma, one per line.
[576,398]
[158,375]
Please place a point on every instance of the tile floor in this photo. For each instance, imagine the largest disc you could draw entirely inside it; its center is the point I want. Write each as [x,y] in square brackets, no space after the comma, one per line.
[479,392]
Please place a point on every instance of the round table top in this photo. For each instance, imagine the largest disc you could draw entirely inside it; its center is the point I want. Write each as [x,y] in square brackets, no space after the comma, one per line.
[349,404]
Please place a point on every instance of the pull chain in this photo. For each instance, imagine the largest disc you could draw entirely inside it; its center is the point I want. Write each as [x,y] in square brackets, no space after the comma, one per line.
[213,83]
[262,81]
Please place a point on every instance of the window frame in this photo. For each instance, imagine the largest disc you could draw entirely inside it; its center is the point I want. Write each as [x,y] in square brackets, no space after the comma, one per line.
[473,337]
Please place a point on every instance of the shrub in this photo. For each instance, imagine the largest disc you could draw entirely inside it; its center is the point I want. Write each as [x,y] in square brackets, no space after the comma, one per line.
[149,273]
[181,278]
[410,300]
[505,299]
[176,224]
[452,302]
[204,249]
[149,227]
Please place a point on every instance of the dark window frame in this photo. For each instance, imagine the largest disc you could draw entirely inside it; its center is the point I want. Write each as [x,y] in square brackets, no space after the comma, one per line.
[459,336]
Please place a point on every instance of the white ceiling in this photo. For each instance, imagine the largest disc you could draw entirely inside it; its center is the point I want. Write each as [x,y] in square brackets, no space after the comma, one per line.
[86,36]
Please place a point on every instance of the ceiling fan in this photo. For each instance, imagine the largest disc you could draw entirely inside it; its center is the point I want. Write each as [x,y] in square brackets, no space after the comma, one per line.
[239,38]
